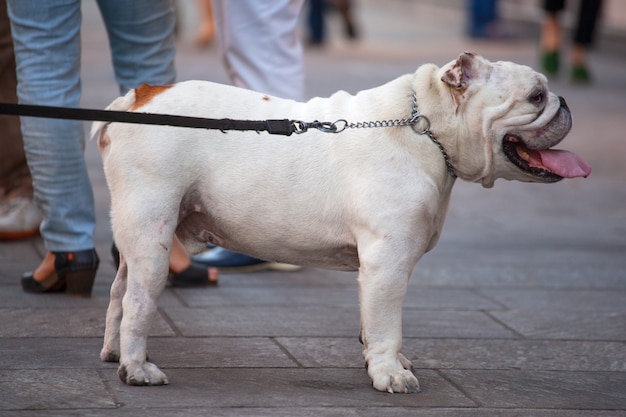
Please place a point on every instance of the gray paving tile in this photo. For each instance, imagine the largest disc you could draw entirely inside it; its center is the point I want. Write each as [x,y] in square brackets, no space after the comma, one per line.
[517,354]
[447,299]
[281,388]
[50,353]
[294,295]
[543,389]
[128,410]
[582,325]
[341,296]
[562,300]
[265,321]
[486,412]
[57,322]
[447,323]
[177,352]
[468,353]
[330,321]
[218,352]
[53,389]
[13,297]
[476,274]
[325,352]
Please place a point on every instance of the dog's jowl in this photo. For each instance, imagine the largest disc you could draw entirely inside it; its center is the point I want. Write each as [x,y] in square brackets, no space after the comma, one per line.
[372,200]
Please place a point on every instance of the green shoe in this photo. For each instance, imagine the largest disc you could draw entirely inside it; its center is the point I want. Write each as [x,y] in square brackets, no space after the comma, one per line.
[550,62]
[580,74]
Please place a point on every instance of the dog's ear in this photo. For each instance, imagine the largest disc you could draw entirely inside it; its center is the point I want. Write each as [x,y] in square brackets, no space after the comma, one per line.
[466,68]
[459,74]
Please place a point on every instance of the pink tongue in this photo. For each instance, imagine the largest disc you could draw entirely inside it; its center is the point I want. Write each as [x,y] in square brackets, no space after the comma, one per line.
[564,163]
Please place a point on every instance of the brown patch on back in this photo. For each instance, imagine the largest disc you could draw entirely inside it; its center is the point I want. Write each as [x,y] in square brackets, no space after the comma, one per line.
[145,93]
[265,98]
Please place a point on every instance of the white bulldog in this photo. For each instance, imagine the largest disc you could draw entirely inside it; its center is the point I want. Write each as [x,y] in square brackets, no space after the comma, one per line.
[366,199]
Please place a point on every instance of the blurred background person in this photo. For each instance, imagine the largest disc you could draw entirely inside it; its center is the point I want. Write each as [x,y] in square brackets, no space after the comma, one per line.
[46,39]
[262,51]
[582,37]
[483,20]
[19,215]
[316,19]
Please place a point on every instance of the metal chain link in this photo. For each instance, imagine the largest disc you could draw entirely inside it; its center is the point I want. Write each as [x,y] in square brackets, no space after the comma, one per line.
[416,118]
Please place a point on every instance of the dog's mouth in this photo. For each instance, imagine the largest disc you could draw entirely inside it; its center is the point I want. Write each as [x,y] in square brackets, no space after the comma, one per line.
[547,165]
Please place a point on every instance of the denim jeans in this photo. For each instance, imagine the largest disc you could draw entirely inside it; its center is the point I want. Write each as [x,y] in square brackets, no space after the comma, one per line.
[46,36]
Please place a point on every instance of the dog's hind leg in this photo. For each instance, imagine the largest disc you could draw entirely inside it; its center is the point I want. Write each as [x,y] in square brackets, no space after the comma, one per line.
[111,348]
[143,231]
[147,275]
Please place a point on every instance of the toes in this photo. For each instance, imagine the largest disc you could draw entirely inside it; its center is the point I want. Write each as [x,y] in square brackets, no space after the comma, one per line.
[405,384]
[145,374]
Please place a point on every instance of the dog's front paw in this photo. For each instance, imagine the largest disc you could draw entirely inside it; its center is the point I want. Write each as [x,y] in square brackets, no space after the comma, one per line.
[145,373]
[392,377]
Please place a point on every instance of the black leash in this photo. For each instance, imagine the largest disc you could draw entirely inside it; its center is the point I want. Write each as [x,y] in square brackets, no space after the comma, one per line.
[275,127]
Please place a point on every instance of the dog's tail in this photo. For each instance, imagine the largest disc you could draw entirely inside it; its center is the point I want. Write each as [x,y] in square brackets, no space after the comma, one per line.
[123,103]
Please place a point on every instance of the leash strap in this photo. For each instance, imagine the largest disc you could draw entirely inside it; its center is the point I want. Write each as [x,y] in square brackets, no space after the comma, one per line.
[275,127]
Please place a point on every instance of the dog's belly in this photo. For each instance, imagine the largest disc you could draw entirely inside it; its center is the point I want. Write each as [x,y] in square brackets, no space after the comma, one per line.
[339,258]
[316,246]
[340,255]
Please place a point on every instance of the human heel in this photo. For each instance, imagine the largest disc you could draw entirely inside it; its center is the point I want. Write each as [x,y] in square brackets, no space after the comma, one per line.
[80,282]
[79,269]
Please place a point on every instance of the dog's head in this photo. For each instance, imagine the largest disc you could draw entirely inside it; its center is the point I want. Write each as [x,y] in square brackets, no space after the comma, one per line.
[512,119]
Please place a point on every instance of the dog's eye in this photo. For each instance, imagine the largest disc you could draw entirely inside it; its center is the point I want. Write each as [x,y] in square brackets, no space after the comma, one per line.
[536,98]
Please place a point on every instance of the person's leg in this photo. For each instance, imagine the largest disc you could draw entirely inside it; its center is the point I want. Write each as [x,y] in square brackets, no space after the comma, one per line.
[19,216]
[316,21]
[551,36]
[141,36]
[587,19]
[47,49]
[583,36]
[206,31]
[260,45]
[46,38]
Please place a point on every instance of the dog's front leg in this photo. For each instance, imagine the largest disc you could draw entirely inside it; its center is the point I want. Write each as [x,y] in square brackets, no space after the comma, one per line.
[146,280]
[382,286]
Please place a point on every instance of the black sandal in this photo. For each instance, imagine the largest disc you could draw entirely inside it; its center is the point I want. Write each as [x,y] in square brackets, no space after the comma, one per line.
[194,276]
[74,272]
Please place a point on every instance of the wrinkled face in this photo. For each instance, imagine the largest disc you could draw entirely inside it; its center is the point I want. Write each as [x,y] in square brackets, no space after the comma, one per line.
[534,121]
[521,120]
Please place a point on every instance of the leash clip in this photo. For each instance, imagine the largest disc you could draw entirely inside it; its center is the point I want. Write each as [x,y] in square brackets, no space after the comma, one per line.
[337,126]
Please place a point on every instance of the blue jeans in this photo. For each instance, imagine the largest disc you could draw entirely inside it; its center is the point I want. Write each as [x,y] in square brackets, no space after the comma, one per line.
[46,36]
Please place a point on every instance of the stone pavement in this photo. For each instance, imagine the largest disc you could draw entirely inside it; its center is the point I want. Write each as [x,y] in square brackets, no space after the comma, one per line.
[519,311]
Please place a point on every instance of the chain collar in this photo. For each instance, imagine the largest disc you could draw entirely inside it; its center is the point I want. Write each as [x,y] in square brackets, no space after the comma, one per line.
[417,118]
[418,122]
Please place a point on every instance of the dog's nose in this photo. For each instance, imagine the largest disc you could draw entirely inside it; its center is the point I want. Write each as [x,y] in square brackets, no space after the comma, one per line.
[563,103]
